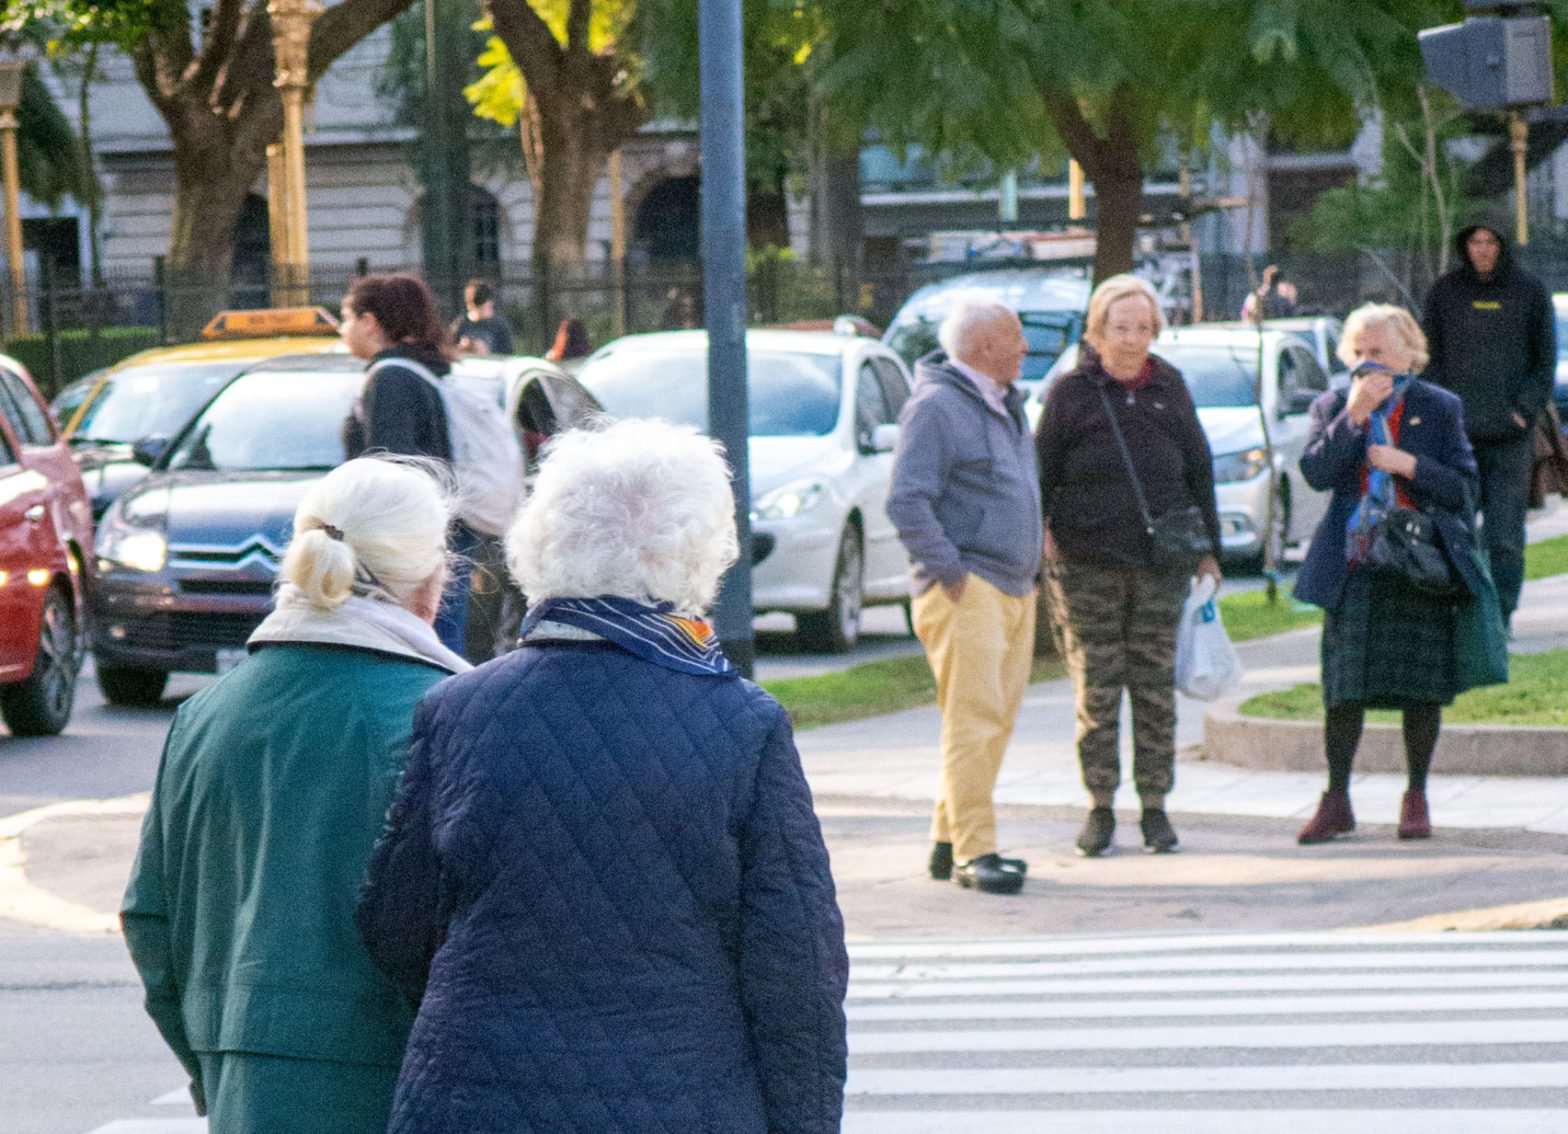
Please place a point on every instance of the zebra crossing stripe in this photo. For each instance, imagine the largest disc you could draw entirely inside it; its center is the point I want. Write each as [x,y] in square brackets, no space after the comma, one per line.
[1069,986]
[1014,1008]
[1515,1121]
[1381,1077]
[1282,1036]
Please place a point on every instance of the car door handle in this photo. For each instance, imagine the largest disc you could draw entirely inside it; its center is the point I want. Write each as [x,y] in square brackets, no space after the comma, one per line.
[35,514]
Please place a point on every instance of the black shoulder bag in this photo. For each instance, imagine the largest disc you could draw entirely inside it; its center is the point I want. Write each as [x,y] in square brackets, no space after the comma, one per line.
[1180,537]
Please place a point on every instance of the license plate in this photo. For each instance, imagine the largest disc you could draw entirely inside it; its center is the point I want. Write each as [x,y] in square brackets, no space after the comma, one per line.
[228,659]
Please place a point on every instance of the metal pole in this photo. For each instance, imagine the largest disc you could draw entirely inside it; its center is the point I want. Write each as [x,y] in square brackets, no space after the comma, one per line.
[13,222]
[618,242]
[724,295]
[441,259]
[1519,142]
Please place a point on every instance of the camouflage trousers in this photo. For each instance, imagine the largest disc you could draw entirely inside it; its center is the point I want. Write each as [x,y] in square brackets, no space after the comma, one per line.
[1116,630]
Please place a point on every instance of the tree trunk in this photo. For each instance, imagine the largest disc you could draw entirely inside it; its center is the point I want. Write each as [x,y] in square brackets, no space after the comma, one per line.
[572,165]
[1111,163]
[767,217]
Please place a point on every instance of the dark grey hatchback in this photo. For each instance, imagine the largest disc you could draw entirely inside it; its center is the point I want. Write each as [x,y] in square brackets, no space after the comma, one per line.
[187,558]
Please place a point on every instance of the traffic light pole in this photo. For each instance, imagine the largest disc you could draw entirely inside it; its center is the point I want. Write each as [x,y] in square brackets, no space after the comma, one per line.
[1519,142]
[724,294]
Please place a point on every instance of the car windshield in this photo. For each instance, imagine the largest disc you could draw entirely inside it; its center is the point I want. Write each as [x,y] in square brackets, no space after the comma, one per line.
[1216,375]
[1048,332]
[272,420]
[790,394]
[155,400]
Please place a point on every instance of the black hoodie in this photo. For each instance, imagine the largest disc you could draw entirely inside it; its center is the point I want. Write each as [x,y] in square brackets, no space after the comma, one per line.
[1493,342]
[399,411]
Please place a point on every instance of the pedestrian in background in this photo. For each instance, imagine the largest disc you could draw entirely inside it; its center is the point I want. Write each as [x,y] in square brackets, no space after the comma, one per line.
[1275,299]
[603,881]
[1492,337]
[392,322]
[965,499]
[571,345]
[272,789]
[1391,440]
[479,330]
[1114,608]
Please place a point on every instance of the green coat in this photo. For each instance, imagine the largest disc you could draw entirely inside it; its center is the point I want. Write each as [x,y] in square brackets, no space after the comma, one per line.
[273,788]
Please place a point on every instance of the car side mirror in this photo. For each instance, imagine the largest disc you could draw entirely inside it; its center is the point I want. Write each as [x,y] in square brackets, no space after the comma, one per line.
[147,450]
[1299,401]
[884,438]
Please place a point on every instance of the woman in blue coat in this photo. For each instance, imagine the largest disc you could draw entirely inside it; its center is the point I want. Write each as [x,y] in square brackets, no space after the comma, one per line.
[603,881]
[1389,440]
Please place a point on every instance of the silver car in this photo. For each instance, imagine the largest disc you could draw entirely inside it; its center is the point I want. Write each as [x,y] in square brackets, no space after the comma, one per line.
[823,410]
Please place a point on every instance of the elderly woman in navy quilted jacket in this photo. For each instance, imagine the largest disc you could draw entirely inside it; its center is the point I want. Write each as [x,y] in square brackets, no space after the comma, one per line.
[603,875]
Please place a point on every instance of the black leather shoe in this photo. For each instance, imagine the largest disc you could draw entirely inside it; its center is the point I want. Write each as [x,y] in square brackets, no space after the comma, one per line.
[941,865]
[1159,837]
[988,875]
[1095,838]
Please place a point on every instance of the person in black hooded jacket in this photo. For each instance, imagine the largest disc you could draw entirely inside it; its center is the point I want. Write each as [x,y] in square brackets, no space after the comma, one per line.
[390,321]
[1493,340]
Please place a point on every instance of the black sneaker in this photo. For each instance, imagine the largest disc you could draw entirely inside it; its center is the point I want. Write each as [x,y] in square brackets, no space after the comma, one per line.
[941,865]
[1159,837]
[1095,838]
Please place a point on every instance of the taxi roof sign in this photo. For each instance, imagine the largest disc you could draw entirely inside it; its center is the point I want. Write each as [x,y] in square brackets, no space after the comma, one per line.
[269,322]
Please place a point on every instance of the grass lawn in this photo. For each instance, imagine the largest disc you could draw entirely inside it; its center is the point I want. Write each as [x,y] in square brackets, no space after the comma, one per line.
[870,689]
[1533,696]
[1548,557]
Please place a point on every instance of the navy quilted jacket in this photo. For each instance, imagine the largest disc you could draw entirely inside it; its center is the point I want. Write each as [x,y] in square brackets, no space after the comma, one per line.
[608,884]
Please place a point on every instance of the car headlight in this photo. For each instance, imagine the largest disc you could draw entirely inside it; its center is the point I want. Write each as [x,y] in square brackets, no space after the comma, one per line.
[140,549]
[787,500]
[1232,467]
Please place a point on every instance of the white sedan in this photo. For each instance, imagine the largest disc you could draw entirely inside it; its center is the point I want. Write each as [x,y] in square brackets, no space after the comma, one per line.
[1220,365]
[823,413]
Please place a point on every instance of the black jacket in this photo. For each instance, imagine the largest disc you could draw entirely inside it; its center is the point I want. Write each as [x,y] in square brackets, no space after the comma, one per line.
[1089,504]
[400,412]
[1493,342]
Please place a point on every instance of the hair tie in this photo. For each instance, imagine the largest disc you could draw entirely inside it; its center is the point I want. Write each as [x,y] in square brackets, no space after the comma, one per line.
[332,532]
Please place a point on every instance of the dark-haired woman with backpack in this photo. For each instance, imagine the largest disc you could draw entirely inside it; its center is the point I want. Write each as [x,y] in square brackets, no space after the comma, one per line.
[393,323]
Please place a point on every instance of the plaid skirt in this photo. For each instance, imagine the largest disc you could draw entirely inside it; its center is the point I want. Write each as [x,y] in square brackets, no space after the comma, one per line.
[1388,645]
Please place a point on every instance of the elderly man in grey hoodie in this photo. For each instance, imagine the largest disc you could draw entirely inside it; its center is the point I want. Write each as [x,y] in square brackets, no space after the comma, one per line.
[966,501]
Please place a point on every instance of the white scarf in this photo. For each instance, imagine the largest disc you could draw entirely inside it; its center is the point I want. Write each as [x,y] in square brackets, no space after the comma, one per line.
[358,622]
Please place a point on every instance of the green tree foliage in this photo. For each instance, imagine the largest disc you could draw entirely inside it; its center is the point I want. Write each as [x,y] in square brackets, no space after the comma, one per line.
[50,160]
[1003,76]
[784,120]
[1404,221]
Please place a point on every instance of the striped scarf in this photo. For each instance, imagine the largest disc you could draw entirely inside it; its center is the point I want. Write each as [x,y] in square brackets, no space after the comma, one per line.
[653,633]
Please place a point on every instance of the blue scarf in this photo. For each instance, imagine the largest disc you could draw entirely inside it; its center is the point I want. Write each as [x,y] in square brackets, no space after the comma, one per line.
[1379,496]
[653,633]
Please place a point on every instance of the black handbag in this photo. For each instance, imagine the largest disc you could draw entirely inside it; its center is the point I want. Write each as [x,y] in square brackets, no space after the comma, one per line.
[1405,544]
[1179,537]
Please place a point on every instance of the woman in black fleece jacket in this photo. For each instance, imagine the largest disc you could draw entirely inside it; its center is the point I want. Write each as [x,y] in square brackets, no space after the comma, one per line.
[388,319]
[1114,611]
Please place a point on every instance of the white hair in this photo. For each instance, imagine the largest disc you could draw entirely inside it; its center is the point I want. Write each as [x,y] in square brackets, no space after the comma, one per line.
[373,523]
[968,320]
[641,510]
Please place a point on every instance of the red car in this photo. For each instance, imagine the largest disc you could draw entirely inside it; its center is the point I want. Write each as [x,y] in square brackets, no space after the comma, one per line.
[46,539]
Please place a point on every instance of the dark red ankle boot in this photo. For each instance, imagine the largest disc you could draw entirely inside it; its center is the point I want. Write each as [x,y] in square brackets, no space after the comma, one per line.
[1334,817]
[1415,822]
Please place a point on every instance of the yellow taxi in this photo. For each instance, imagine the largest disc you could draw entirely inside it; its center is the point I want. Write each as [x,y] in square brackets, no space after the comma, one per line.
[119,419]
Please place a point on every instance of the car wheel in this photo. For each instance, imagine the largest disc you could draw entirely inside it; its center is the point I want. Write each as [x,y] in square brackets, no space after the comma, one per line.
[41,705]
[835,630]
[129,685]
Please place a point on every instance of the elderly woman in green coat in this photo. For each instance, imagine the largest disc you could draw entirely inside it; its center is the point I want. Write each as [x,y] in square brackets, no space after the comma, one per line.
[272,790]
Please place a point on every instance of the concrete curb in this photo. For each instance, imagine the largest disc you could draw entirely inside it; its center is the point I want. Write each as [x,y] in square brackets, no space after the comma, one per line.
[22,901]
[1297,746]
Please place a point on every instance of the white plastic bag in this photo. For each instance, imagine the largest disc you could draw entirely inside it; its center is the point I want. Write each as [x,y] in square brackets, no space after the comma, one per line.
[1206,662]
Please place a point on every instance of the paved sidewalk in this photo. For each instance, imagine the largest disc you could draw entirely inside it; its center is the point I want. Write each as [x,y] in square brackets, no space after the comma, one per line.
[895,756]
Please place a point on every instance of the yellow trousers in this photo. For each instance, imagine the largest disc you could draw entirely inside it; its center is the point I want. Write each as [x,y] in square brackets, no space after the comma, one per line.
[980,649]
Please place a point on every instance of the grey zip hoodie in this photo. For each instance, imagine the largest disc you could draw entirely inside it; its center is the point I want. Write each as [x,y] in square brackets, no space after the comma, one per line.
[965,496]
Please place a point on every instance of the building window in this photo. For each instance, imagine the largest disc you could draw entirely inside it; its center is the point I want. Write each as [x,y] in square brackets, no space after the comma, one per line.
[484,226]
